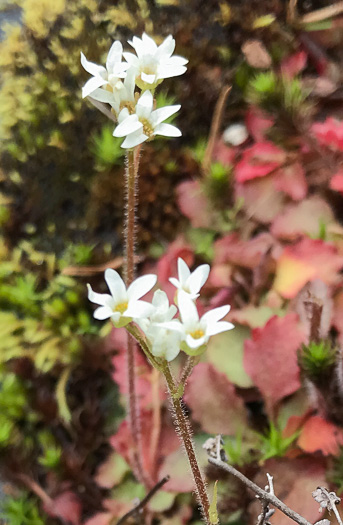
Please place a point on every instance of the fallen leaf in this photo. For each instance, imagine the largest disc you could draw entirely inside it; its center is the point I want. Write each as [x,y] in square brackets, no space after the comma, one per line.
[270,358]
[336,183]
[258,123]
[254,316]
[214,402]
[320,435]
[260,199]
[111,471]
[230,249]
[305,261]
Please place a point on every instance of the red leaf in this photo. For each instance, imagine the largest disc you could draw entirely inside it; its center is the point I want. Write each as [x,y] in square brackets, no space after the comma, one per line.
[259,160]
[65,506]
[193,203]
[167,264]
[223,153]
[294,480]
[303,218]
[270,357]
[305,261]
[248,254]
[103,518]
[260,199]
[336,183]
[167,442]
[258,123]
[319,434]
[292,181]
[294,64]
[329,133]
[214,402]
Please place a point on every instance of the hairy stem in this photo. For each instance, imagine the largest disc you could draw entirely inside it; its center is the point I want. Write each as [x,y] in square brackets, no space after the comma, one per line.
[186,435]
[130,239]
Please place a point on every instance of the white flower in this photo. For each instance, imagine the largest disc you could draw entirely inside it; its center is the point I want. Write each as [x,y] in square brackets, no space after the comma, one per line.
[110,75]
[154,63]
[196,332]
[163,342]
[123,304]
[145,123]
[191,283]
[235,134]
[124,95]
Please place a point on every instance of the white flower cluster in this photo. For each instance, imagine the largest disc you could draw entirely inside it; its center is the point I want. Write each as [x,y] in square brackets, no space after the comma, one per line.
[165,334]
[117,83]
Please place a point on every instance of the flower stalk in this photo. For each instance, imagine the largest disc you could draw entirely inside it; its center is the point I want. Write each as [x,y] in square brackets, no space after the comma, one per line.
[130,239]
[185,432]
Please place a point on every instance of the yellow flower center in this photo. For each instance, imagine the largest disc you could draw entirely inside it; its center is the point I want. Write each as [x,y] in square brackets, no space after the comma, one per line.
[147,128]
[148,70]
[197,334]
[129,105]
[121,307]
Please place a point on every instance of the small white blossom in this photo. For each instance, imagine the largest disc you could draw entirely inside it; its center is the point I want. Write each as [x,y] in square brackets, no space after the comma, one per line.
[163,342]
[154,63]
[236,134]
[124,95]
[123,304]
[191,283]
[196,332]
[110,75]
[145,123]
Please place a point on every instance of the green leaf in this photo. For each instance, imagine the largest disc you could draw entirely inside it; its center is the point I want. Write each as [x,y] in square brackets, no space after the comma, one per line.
[264,21]
[61,396]
[213,506]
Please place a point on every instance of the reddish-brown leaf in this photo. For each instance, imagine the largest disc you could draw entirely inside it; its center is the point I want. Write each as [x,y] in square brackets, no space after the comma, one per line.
[336,183]
[305,261]
[294,64]
[260,199]
[270,358]
[193,203]
[66,506]
[258,123]
[303,218]
[258,161]
[320,435]
[329,133]
[248,254]
[291,180]
[294,481]
[213,401]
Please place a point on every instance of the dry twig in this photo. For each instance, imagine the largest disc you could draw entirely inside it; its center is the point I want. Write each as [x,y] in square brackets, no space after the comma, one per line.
[322,14]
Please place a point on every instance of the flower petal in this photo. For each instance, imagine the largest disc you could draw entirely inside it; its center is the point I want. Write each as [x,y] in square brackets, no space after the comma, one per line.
[188,310]
[102,95]
[176,61]
[131,59]
[161,114]
[183,271]
[104,299]
[166,49]
[91,85]
[175,282]
[167,130]
[173,325]
[214,315]
[149,79]
[144,105]
[198,278]
[116,285]
[165,71]
[130,125]
[133,140]
[149,44]
[141,286]
[114,55]
[195,343]
[104,312]
[139,310]
[91,68]
[218,328]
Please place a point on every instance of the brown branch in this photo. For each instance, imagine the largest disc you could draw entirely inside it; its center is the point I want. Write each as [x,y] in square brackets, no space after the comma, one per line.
[138,508]
[216,121]
[263,494]
[322,14]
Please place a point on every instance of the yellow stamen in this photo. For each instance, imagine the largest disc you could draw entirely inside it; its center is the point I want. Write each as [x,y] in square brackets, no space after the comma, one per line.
[121,307]
[129,105]
[197,334]
[147,128]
